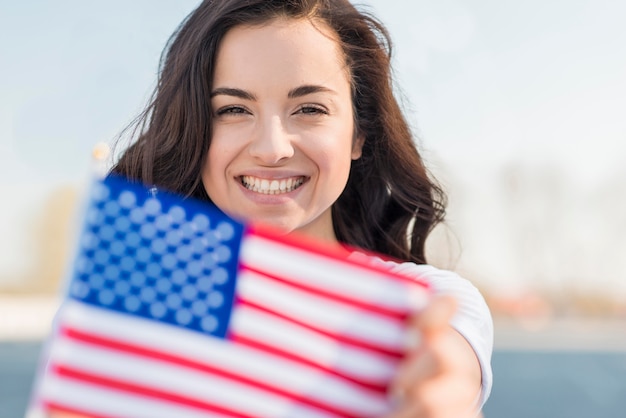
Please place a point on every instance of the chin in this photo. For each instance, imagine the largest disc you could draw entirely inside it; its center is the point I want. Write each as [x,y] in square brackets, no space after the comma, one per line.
[280,226]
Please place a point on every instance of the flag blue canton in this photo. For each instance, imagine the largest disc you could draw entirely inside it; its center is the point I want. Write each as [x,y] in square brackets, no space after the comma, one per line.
[158,256]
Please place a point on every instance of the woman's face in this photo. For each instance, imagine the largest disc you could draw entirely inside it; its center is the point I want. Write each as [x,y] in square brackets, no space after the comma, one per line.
[283,126]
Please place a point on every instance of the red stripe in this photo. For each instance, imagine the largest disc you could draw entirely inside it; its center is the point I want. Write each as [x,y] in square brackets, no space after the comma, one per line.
[394,354]
[198,366]
[123,386]
[339,253]
[59,407]
[398,315]
[376,386]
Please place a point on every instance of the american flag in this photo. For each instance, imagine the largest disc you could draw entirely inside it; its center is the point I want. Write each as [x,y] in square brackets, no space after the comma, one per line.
[175,310]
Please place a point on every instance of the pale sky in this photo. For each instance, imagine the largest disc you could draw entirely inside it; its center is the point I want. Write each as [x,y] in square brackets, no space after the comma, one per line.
[502,79]
[487,83]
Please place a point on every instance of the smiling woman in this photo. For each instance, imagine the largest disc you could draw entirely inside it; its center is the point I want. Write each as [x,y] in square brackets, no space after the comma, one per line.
[282,112]
[283,135]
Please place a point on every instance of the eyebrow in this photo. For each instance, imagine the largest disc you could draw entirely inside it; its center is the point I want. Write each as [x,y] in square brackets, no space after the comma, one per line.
[293,93]
[229,91]
[307,89]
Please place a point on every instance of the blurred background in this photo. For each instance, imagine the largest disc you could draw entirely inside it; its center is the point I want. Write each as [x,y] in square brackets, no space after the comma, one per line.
[520,112]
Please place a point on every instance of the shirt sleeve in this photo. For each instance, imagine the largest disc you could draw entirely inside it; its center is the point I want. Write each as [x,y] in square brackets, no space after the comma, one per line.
[473,319]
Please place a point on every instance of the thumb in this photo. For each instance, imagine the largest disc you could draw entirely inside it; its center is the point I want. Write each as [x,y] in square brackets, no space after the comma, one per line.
[435,318]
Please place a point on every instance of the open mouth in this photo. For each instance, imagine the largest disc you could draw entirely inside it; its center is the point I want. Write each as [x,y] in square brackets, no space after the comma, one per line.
[275,186]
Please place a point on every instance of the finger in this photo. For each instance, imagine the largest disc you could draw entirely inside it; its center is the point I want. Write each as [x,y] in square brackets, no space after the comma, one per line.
[422,361]
[428,364]
[434,400]
[444,396]
[433,321]
[417,368]
[438,338]
[406,411]
[435,318]
[435,353]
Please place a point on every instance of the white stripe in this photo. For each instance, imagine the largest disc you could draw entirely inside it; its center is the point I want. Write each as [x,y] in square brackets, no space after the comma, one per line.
[317,270]
[261,326]
[327,314]
[207,350]
[101,401]
[286,336]
[171,379]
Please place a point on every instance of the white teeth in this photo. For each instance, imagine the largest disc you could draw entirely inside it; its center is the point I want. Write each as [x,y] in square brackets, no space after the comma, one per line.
[265,186]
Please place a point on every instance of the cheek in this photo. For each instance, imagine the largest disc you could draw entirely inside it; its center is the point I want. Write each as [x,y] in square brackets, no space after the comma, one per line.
[227,142]
[335,161]
[213,169]
[345,149]
[219,154]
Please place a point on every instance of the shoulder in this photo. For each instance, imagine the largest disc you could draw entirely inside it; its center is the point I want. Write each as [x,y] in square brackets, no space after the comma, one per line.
[472,305]
[441,281]
[473,319]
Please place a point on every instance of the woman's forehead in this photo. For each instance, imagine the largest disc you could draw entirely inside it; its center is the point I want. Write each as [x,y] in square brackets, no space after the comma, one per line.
[290,49]
[302,35]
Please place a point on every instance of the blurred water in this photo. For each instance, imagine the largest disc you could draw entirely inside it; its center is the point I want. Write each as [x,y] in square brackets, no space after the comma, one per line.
[528,384]
[17,369]
[558,384]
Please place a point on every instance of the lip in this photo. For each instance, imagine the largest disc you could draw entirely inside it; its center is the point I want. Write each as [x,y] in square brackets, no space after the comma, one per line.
[272,187]
[275,174]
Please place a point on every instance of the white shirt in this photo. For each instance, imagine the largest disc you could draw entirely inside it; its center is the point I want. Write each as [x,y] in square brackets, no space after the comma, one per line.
[473,318]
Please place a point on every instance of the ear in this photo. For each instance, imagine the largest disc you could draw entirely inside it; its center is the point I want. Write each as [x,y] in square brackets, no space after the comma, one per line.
[357,146]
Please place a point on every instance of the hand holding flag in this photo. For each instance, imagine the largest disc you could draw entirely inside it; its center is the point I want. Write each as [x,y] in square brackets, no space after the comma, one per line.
[174,309]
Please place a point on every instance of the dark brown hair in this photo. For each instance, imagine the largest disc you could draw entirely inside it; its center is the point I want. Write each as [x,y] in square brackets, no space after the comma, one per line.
[390,203]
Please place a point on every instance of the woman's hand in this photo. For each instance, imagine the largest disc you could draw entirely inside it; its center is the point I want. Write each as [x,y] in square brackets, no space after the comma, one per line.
[441,376]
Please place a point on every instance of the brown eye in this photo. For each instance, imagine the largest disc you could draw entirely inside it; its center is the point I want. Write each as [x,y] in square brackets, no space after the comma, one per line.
[312,110]
[231,110]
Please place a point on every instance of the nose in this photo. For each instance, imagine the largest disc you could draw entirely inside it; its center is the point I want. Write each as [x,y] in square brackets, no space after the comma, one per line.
[271,143]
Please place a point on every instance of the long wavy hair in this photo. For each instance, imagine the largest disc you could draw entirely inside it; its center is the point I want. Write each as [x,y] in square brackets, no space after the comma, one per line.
[390,203]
